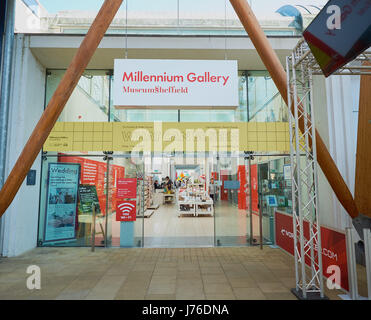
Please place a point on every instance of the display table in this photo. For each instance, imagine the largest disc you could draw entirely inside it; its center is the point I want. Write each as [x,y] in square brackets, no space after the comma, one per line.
[186,207]
[204,207]
[168,198]
[194,205]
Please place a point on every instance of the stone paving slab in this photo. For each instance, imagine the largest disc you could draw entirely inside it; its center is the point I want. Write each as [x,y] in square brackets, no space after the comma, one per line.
[244,273]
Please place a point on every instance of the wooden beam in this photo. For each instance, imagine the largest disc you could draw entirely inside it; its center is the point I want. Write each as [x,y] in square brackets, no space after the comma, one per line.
[57,102]
[278,74]
[362,193]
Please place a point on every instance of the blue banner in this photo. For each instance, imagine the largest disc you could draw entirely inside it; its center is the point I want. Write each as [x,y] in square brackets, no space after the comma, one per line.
[231,184]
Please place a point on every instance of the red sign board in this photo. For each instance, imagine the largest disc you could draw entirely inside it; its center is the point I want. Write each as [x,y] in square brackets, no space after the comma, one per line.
[333,245]
[93,172]
[127,188]
[126,210]
[254,188]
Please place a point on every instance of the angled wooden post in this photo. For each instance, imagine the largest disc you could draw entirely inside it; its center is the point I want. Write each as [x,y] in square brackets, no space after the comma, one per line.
[278,74]
[57,102]
[362,192]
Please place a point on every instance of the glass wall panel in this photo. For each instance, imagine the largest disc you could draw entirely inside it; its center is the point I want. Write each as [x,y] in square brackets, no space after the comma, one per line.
[273,194]
[97,175]
[232,225]
[90,101]
[143,115]
[70,186]
[125,234]
[170,17]
[207,115]
[264,101]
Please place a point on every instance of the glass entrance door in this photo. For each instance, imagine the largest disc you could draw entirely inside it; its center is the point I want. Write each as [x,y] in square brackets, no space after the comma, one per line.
[126,199]
[232,221]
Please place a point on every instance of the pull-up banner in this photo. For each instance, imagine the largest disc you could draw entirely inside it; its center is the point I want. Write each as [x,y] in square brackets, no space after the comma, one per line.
[175,83]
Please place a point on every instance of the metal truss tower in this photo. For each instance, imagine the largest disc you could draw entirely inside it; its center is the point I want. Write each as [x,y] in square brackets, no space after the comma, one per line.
[301,66]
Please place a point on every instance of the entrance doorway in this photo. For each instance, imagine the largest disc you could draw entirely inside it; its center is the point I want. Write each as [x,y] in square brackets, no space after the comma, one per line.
[198,200]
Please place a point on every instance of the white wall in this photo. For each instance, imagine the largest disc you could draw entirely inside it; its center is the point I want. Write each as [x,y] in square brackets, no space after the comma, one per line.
[81,108]
[27,103]
[336,106]
[27,21]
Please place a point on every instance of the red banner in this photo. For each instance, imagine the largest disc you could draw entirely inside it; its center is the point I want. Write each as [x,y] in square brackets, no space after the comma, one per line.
[333,245]
[254,188]
[241,173]
[126,210]
[223,192]
[126,188]
[93,172]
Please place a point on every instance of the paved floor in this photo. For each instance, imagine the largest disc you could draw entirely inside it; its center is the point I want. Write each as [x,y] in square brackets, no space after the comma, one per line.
[153,273]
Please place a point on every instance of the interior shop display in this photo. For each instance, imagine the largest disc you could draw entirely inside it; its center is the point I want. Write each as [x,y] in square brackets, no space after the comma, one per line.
[168,198]
[148,196]
[194,200]
[88,197]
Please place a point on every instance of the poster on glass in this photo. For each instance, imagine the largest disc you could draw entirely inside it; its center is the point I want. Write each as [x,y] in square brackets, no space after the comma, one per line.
[61,202]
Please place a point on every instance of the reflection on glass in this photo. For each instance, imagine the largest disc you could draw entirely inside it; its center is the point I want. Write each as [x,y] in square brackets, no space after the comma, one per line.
[274,192]
[265,102]
[86,193]
[90,99]
[165,17]
[143,115]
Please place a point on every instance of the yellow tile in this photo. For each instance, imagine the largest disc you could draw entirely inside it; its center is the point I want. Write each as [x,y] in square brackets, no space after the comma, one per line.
[262,146]
[59,126]
[252,126]
[252,136]
[97,146]
[78,136]
[272,146]
[97,135]
[107,136]
[108,126]
[282,136]
[88,126]
[77,146]
[261,126]
[107,145]
[253,146]
[262,136]
[69,126]
[281,126]
[271,126]
[272,136]
[98,126]
[88,136]
[79,127]
[281,146]
[87,146]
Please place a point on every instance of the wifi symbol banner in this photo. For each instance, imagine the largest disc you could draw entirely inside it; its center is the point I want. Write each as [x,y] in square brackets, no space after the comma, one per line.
[126,210]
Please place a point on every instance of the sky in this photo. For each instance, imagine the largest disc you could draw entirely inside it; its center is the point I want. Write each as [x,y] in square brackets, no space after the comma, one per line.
[260,7]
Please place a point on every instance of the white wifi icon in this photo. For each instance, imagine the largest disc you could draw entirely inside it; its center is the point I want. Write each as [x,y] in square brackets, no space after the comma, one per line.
[126,208]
